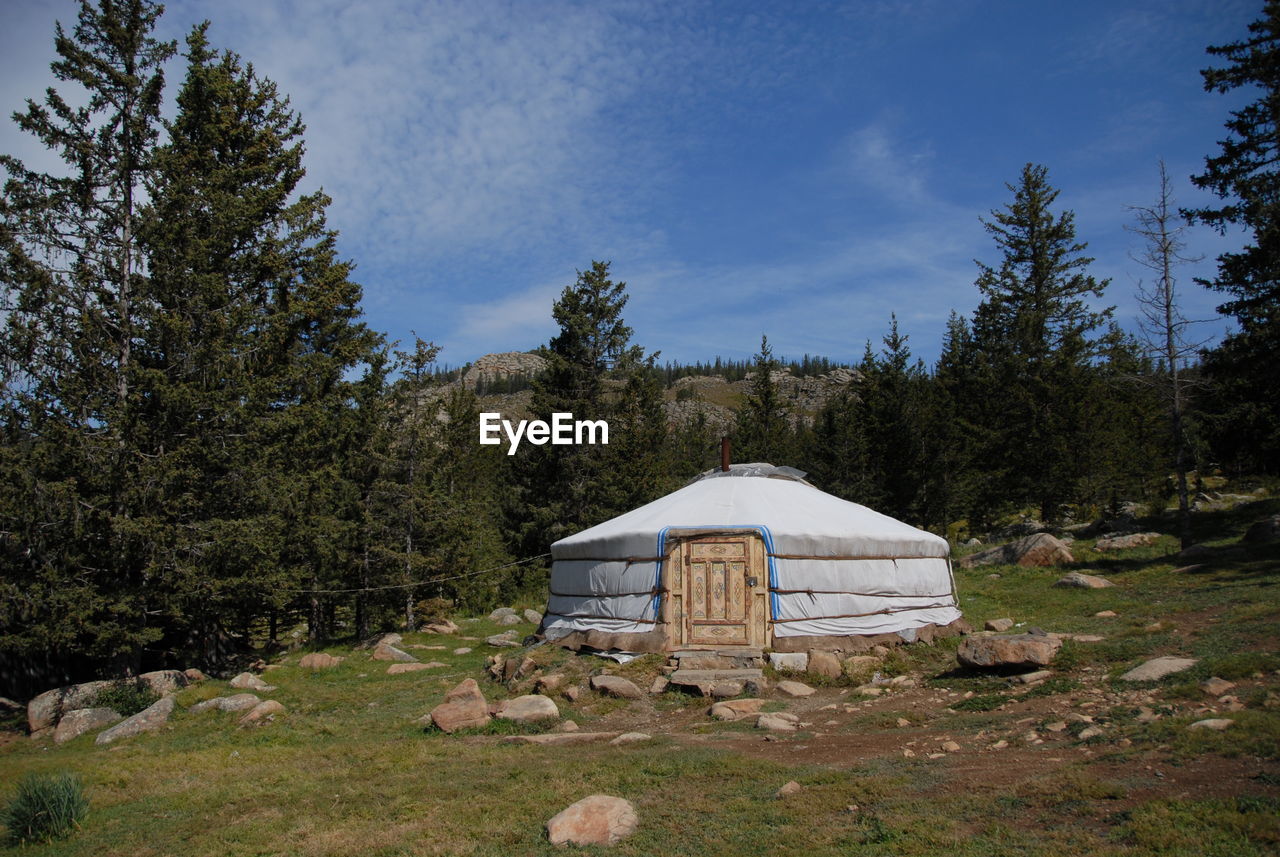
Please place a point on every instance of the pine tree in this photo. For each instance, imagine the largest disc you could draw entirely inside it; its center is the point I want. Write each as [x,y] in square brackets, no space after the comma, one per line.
[1035,328]
[764,431]
[1244,174]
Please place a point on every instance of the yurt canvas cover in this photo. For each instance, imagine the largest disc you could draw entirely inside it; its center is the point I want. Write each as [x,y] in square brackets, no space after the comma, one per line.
[747,560]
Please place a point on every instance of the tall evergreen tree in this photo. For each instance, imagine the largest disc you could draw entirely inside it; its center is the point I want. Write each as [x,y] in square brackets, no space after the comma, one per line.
[1244,174]
[1035,328]
[764,430]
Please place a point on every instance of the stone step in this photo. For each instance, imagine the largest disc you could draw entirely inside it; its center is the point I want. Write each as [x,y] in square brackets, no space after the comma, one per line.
[717,659]
[708,677]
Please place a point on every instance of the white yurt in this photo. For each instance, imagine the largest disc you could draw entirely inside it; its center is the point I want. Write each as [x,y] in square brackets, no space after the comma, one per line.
[753,556]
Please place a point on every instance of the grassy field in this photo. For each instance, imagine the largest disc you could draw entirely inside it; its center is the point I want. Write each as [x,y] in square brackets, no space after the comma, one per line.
[346,771]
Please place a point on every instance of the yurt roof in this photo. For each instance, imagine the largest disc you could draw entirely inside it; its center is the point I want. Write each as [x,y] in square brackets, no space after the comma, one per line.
[794,517]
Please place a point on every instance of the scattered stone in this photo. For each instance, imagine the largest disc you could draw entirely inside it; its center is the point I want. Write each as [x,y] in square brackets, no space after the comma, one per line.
[630,738]
[318,661]
[463,707]
[386,652]
[263,711]
[1076,580]
[861,666]
[249,681]
[1039,549]
[148,720]
[951,746]
[444,626]
[902,681]
[530,708]
[999,625]
[1216,686]
[1084,638]
[43,711]
[726,689]
[1031,650]
[1029,678]
[794,689]
[505,639]
[1106,614]
[660,685]
[1158,668]
[1266,530]
[903,723]
[549,684]
[734,709]
[82,720]
[999,745]
[533,616]
[556,739]
[909,753]
[400,669]
[1133,540]
[236,702]
[566,726]
[1146,715]
[787,790]
[1056,726]
[823,663]
[1090,732]
[500,612]
[1217,724]
[462,650]
[594,820]
[615,686]
[869,690]
[778,721]
[508,620]
[572,693]
[789,661]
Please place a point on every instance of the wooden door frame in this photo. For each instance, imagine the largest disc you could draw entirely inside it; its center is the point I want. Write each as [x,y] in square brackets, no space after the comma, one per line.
[677,581]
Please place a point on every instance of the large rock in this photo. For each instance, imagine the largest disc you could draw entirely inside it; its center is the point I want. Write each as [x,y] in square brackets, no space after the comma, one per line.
[794,689]
[147,720]
[533,616]
[1008,650]
[1039,549]
[249,681]
[265,710]
[165,682]
[194,675]
[861,666]
[1158,668]
[733,709]
[318,661]
[1132,540]
[236,702]
[615,685]
[824,663]
[82,720]
[1076,580]
[464,707]
[401,669]
[44,710]
[388,652]
[498,614]
[594,820]
[511,619]
[444,626]
[1266,530]
[999,625]
[789,661]
[505,639]
[531,708]
[778,721]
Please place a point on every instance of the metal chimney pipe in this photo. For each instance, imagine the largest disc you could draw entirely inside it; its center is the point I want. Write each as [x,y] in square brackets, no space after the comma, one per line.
[724,454]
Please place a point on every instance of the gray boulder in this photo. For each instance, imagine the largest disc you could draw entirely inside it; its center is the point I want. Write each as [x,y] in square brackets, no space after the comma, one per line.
[1076,580]
[1158,668]
[1036,550]
[148,720]
[530,708]
[83,720]
[236,702]
[1008,650]
[616,686]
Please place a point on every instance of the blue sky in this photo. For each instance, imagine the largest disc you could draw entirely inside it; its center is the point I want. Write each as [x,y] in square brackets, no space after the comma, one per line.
[800,169]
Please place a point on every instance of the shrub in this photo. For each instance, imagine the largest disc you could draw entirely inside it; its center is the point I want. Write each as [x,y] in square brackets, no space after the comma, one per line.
[126,697]
[45,807]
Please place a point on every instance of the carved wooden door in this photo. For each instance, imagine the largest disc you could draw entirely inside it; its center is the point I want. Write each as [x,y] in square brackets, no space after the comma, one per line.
[718,591]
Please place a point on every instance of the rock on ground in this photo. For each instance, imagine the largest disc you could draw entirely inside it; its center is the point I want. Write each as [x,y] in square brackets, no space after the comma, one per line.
[1266,530]
[165,682]
[1216,686]
[249,681]
[387,652]
[463,707]
[506,638]
[148,720]
[1012,650]
[318,661]
[594,820]
[549,684]
[44,710]
[237,702]
[194,675]
[1076,580]
[787,790]
[400,669]
[500,612]
[789,661]
[265,710]
[778,721]
[1158,668]
[444,626]
[82,720]
[533,616]
[861,666]
[735,708]
[1133,540]
[511,619]
[615,686]
[1039,549]
[1217,724]
[631,738]
[531,708]
[999,625]
[824,663]
[794,688]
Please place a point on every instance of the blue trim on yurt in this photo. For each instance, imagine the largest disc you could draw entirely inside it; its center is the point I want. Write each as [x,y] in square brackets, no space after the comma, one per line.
[774,602]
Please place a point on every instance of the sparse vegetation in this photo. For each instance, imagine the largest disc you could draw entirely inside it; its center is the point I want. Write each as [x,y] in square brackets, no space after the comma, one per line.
[44,807]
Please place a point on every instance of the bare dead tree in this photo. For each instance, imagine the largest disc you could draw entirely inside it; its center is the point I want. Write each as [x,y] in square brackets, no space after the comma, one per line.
[1163,326]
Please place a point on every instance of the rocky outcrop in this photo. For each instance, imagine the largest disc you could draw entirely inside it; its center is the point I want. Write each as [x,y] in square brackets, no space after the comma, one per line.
[531,708]
[508,364]
[1132,540]
[616,686]
[1039,549]
[464,707]
[44,711]
[318,661]
[83,720]
[264,711]
[236,702]
[147,720]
